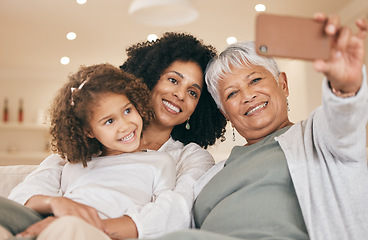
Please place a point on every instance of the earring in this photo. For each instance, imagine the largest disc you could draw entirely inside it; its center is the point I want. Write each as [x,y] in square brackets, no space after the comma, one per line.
[233,134]
[187,126]
[288,107]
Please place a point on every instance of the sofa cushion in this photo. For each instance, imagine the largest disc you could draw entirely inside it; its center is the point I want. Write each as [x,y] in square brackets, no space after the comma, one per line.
[11,176]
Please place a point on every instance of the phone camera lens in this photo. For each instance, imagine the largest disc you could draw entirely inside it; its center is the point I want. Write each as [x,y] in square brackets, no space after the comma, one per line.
[263,48]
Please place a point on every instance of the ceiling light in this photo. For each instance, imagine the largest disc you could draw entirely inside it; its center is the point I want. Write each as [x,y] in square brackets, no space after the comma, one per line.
[163,12]
[81,1]
[71,35]
[152,37]
[260,8]
[65,60]
[231,40]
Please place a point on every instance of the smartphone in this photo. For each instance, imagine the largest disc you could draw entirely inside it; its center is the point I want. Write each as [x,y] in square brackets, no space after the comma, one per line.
[291,37]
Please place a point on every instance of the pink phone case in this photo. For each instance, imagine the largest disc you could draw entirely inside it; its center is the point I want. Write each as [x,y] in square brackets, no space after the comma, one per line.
[291,37]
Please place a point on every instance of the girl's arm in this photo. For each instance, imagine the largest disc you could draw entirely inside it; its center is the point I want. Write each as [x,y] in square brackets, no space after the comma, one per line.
[45,180]
[41,191]
[40,204]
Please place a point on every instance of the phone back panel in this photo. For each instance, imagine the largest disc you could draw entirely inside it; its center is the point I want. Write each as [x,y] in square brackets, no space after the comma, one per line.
[291,37]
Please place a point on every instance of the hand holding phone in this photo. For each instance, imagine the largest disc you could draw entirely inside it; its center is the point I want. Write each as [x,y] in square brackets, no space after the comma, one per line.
[291,37]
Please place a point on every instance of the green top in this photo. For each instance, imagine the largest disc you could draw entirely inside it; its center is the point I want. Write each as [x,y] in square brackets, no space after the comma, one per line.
[256,183]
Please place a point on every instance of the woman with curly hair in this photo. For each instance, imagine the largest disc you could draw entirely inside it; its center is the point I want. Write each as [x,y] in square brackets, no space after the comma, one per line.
[186,122]
[153,62]
[96,124]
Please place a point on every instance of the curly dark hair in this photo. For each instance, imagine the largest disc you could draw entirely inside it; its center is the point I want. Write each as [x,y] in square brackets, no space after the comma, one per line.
[149,59]
[71,110]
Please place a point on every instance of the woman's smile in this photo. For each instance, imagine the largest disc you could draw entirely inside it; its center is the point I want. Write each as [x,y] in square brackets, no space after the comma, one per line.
[255,109]
[177,92]
[171,107]
[255,101]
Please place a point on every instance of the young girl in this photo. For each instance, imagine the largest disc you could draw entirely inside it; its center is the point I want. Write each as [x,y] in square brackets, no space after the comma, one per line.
[96,124]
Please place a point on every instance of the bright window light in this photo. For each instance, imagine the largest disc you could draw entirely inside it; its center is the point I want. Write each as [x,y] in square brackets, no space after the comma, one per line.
[231,40]
[65,60]
[71,35]
[260,8]
[152,37]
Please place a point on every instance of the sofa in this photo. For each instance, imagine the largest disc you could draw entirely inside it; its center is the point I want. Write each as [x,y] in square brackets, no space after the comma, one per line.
[10,176]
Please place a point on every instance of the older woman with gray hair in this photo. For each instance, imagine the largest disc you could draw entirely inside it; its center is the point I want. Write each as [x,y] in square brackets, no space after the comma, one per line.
[291,181]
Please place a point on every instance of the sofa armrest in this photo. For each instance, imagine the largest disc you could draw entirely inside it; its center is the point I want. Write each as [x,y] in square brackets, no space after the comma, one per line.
[11,176]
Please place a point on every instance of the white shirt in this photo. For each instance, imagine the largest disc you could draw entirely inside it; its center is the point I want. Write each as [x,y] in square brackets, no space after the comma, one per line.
[171,210]
[110,184]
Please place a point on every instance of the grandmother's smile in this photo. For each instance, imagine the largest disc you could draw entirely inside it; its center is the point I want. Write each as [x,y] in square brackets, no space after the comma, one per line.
[254,109]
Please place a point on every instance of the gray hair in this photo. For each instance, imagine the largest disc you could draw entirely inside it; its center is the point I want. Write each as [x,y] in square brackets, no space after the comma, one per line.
[235,55]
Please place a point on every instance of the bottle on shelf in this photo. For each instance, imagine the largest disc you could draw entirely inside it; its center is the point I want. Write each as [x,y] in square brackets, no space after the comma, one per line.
[5,111]
[20,111]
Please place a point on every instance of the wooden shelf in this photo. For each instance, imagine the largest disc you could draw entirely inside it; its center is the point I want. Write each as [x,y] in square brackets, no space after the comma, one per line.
[22,158]
[23,126]
[23,143]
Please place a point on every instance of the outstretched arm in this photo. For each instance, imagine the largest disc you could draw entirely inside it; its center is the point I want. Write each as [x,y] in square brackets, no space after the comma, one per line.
[344,67]
[344,112]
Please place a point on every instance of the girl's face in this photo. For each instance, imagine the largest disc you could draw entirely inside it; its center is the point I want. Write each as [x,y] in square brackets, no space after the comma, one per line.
[254,102]
[116,124]
[177,92]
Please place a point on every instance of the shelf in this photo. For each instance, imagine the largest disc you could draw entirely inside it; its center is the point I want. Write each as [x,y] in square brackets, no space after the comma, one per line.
[23,126]
[22,158]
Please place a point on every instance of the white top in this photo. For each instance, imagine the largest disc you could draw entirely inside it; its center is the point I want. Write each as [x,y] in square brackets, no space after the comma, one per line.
[171,210]
[110,184]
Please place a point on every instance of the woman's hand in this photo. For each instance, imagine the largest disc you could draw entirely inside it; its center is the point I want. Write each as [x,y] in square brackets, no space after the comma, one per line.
[62,206]
[344,68]
[36,228]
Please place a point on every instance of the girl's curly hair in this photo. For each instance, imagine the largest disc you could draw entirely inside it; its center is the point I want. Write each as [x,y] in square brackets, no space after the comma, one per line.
[71,110]
[148,60]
